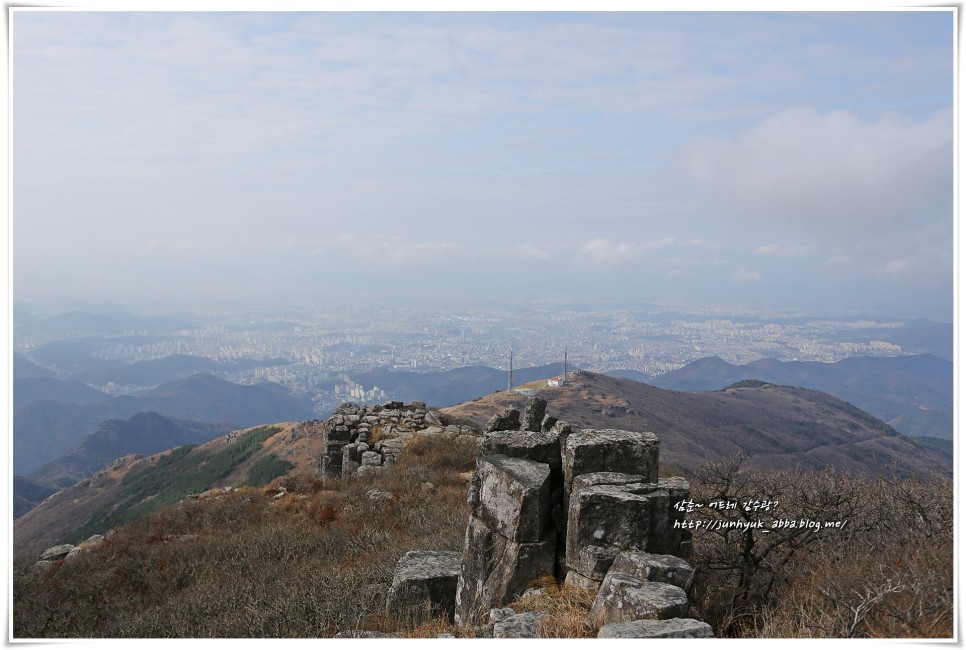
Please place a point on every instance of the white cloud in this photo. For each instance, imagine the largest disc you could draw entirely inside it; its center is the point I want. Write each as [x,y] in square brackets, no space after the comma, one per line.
[607,253]
[743,275]
[869,188]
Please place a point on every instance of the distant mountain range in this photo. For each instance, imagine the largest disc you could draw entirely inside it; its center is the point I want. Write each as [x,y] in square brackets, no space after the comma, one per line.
[913,393]
[133,483]
[780,426]
[37,389]
[46,428]
[142,433]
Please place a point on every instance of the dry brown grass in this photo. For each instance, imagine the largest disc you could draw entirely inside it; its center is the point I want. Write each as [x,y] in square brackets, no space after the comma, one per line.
[259,567]
[886,574]
[569,609]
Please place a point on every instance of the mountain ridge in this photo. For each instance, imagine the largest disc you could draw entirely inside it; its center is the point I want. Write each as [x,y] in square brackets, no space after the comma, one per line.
[897,390]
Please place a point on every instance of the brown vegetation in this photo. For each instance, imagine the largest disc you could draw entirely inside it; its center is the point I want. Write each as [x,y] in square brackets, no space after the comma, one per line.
[319,560]
[885,572]
[783,426]
[247,565]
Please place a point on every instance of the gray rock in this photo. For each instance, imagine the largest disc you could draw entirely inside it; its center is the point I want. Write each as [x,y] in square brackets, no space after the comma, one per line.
[655,568]
[625,598]
[520,626]
[616,517]
[362,634]
[93,540]
[496,570]
[349,468]
[595,561]
[674,628]
[426,581]
[562,428]
[55,553]
[605,478]
[533,414]
[574,579]
[378,495]
[498,614]
[368,470]
[542,447]
[495,423]
[609,450]
[371,458]
[514,498]
[548,422]
[483,631]
[469,440]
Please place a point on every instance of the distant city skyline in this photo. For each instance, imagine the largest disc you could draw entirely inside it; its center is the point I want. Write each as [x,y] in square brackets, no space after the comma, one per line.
[788,158]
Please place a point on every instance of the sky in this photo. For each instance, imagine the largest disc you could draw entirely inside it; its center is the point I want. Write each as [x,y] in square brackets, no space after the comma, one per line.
[797,159]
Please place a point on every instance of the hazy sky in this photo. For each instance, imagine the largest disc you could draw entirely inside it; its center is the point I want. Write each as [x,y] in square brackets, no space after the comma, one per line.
[798,158]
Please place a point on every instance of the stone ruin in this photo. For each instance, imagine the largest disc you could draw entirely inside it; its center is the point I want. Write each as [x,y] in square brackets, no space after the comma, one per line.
[584,506]
[359,440]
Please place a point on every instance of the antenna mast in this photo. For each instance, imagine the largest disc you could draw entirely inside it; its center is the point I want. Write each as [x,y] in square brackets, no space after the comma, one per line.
[509,375]
[565,365]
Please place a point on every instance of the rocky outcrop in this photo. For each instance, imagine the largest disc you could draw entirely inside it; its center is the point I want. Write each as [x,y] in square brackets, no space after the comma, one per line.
[623,598]
[549,500]
[60,552]
[424,584]
[610,512]
[515,529]
[675,628]
[586,507]
[360,440]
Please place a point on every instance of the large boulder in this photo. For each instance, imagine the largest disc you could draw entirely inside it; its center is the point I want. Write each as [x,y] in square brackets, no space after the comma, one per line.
[513,497]
[58,552]
[674,628]
[654,568]
[543,447]
[609,450]
[625,598]
[606,519]
[497,570]
[605,495]
[520,626]
[509,421]
[425,582]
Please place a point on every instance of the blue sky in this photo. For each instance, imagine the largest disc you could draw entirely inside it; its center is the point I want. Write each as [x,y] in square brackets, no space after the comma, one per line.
[785,158]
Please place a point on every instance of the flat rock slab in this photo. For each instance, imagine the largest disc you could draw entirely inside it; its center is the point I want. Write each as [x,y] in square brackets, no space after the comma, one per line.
[520,626]
[56,552]
[610,450]
[675,628]
[542,446]
[426,580]
[625,598]
[654,568]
